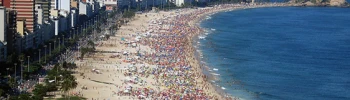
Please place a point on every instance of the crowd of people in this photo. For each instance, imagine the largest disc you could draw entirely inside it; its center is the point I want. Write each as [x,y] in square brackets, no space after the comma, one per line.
[164,53]
[176,67]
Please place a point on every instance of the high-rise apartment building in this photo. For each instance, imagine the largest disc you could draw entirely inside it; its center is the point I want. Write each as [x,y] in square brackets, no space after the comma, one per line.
[74,4]
[3,30]
[60,4]
[26,12]
[39,14]
[110,4]
[45,6]
[54,4]
[3,24]
[11,30]
[5,3]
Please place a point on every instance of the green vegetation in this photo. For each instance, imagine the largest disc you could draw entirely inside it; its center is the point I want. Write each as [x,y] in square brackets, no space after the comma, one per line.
[60,73]
[90,48]
[84,51]
[72,98]
[64,79]
[128,14]
[68,84]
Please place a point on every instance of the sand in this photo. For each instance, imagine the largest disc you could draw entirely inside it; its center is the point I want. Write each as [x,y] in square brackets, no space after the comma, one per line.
[103,77]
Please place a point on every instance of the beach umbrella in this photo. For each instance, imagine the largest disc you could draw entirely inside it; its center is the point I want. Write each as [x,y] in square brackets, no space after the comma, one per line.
[125,52]
[126,91]
[128,78]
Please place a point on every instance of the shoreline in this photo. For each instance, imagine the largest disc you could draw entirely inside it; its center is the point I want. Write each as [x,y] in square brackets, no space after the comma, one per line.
[211,78]
[196,37]
[147,64]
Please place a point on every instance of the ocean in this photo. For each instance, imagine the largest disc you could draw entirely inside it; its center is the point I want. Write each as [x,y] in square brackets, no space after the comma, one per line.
[280,53]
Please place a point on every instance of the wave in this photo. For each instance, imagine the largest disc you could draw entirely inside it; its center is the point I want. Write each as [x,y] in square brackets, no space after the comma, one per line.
[202,37]
[215,74]
[223,88]
[208,17]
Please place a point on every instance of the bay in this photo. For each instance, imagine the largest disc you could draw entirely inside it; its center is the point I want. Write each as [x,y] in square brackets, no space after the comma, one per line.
[283,53]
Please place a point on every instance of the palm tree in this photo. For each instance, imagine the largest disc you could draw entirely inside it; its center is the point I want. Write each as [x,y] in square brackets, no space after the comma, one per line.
[1,91]
[21,58]
[83,51]
[91,43]
[24,96]
[39,91]
[68,84]
[12,82]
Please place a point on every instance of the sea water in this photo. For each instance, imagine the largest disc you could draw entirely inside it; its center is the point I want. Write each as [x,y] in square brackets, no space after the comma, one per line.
[282,53]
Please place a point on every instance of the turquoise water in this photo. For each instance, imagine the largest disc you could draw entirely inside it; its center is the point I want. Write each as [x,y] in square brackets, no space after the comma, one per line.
[287,53]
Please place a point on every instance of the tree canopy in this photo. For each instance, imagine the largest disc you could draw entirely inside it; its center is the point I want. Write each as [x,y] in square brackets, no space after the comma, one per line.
[128,14]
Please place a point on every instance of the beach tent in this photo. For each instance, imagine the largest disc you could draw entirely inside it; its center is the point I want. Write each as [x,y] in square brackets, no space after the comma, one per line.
[126,91]
[136,57]
[131,66]
[125,53]
[133,44]
[127,78]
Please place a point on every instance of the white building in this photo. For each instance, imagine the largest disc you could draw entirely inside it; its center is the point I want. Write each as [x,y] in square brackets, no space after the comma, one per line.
[39,13]
[3,27]
[3,23]
[60,5]
[110,4]
[74,17]
[85,9]
[54,4]
[101,2]
[180,3]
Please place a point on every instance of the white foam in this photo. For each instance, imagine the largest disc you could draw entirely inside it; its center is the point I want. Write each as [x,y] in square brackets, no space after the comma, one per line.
[223,88]
[208,17]
[215,74]
[201,37]
[215,69]
[212,29]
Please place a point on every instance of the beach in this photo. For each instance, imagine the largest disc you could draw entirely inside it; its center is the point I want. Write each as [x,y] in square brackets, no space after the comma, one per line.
[152,57]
